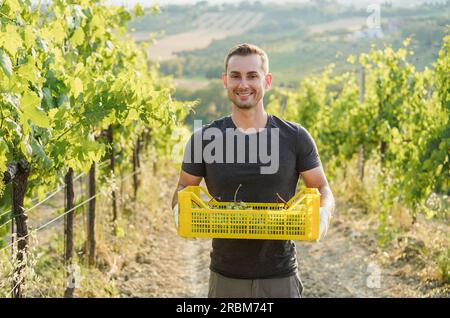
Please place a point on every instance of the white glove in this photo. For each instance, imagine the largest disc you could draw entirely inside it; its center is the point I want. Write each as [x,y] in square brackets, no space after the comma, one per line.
[175,215]
[325,218]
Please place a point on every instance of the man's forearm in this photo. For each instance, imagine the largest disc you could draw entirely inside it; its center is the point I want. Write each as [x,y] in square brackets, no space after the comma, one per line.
[327,199]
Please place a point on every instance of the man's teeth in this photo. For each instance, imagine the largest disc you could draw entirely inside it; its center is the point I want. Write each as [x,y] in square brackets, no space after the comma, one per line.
[244,94]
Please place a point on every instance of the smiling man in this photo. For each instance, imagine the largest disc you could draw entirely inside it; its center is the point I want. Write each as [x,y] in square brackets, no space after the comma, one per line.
[241,267]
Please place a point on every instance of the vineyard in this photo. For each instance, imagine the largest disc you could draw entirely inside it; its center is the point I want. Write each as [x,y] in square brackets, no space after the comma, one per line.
[388,115]
[88,129]
[75,90]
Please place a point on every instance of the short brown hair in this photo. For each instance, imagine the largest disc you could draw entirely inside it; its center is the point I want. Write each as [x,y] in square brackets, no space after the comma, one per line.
[248,49]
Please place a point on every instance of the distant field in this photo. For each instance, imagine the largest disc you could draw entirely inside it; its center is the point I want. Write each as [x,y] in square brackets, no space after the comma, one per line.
[210,26]
[141,36]
[190,84]
[351,24]
[167,47]
[300,39]
[217,26]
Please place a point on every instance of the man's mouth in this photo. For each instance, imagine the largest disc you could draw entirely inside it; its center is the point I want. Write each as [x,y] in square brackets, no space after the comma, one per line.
[244,94]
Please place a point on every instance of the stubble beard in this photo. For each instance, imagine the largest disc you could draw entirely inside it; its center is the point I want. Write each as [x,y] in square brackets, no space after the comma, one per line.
[243,105]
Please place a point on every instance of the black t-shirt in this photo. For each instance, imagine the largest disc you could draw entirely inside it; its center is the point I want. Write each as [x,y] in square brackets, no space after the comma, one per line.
[261,179]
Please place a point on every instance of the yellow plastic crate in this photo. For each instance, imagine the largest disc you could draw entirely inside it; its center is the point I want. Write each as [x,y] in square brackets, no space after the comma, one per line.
[298,219]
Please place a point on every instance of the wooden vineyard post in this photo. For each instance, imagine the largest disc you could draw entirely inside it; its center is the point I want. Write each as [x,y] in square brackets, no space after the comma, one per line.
[362,92]
[111,169]
[18,173]
[146,138]
[68,231]
[136,167]
[91,217]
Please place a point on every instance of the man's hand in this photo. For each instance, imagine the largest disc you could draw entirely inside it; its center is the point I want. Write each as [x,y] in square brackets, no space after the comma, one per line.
[315,178]
[325,218]
[175,215]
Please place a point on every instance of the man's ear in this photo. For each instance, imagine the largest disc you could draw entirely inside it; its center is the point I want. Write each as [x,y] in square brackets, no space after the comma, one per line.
[268,80]
[224,80]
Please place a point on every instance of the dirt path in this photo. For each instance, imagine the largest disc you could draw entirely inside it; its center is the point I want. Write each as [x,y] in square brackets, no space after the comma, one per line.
[346,264]
[166,265]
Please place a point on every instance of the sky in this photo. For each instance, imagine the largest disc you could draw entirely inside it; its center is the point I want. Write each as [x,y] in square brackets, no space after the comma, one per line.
[357,3]
[353,2]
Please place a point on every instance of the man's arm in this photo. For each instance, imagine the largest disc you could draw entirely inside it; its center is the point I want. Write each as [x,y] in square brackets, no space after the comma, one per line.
[185,180]
[315,178]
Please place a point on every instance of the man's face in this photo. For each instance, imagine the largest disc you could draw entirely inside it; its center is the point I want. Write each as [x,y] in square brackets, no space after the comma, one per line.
[245,80]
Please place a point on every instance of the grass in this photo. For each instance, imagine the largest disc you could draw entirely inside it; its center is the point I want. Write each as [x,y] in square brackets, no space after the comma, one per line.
[443,260]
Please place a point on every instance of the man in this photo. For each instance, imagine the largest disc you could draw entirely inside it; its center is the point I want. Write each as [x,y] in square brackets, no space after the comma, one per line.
[241,267]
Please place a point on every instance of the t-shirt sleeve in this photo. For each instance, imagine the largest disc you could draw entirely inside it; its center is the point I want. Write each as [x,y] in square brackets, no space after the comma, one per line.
[307,154]
[193,162]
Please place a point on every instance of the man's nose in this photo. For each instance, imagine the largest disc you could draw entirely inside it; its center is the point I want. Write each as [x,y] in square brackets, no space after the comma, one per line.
[243,82]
